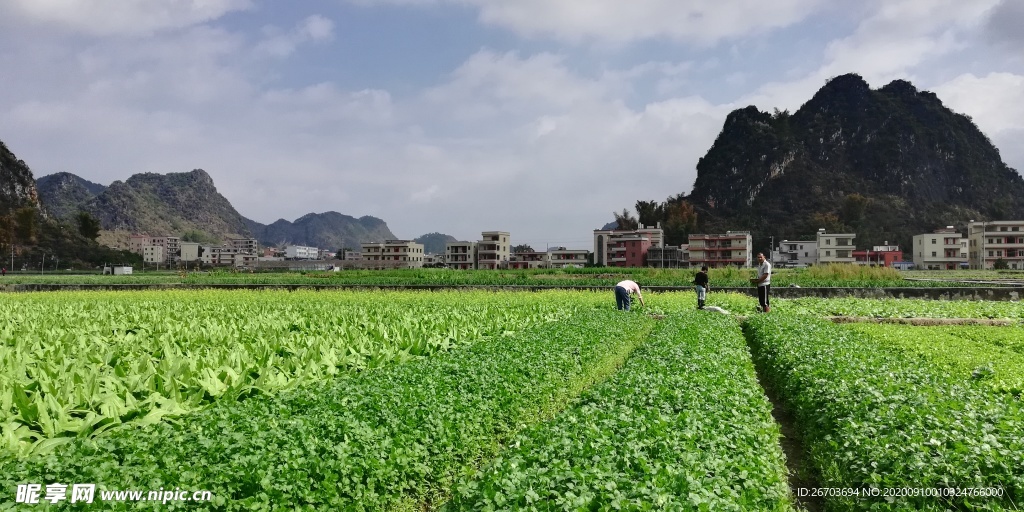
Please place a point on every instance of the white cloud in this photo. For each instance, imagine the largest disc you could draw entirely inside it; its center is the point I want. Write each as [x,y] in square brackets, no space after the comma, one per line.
[996,104]
[897,39]
[617,21]
[108,17]
[315,28]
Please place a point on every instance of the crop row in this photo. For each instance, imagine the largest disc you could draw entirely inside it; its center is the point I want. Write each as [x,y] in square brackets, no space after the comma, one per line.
[683,425]
[77,363]
[904,308]
[885,419]
[390,437]
[958,348]
[825,275]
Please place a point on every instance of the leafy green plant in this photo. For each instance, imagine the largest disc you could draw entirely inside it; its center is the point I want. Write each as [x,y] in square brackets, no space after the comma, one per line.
[390,437]
[878,418]
[683,425]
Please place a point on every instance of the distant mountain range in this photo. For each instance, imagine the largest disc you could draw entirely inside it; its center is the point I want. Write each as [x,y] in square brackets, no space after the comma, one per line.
[188,205]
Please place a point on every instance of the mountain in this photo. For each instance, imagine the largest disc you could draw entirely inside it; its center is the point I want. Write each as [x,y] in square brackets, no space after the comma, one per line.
[189,205]
[173,204]
[329,230]
[37,241]
[886,164]
[64,194]
[17,188]
[435,243]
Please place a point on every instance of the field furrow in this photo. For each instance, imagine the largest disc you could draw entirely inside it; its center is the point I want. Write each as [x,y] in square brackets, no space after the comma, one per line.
[879,420]
[683,425]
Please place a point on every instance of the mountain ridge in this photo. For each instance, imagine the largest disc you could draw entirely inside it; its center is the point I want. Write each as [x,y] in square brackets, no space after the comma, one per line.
[189,205]
[886,163]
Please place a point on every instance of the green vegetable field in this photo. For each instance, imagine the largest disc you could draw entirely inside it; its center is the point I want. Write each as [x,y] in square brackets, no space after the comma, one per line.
[502,400]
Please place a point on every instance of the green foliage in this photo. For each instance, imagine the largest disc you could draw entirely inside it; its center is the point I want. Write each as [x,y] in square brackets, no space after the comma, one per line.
[201,237]
[91,360]
[683,425]
[26,224]
[967,350]
[876,418]
[625,220]
[904,308]
[386,438]
[88,226]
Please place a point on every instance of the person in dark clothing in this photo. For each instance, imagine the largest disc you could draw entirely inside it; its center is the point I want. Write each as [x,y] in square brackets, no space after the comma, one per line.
[700,282]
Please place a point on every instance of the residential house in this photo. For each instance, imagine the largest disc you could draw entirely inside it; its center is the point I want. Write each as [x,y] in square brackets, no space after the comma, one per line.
[493,250]
[792,253]
[301,252]
[528,259]
[834,247]
[942,249]
[394,254]
[732,248]
[605,243]
[629,250]
[560,257]
[879,255]
[460,255]
[996,241]
[669,256]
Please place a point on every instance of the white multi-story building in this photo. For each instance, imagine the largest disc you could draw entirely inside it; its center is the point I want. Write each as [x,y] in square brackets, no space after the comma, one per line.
[791,253]
[301,252]
[245,245]
[529,260]
[942,249]
[171,246]
[995,241]
[561,257]
[189,252]
[393,254]
[460,255]
[834,247]
[153,254]
[493,250]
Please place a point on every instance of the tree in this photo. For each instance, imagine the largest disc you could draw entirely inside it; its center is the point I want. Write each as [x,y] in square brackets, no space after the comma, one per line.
[626,220]
[681,220]
[522,248]
[25,225]
[88,226]
[852,211]
[650,213]
[1000,264]
[826,220]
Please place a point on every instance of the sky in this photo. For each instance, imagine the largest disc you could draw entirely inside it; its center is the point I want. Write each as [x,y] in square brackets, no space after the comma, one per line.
[537,117]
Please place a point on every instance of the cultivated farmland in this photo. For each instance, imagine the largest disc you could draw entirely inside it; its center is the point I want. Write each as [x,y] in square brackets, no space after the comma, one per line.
[385,400]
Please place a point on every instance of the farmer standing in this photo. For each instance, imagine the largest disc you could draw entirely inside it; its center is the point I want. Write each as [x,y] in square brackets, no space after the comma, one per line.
[700,282]
[763,282]
[623,291]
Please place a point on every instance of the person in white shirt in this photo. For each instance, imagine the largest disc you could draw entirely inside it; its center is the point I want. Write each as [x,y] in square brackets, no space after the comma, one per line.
[622,292]
[763,282]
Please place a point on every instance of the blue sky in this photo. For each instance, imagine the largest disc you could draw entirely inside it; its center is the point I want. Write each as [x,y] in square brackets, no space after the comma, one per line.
[539,117]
